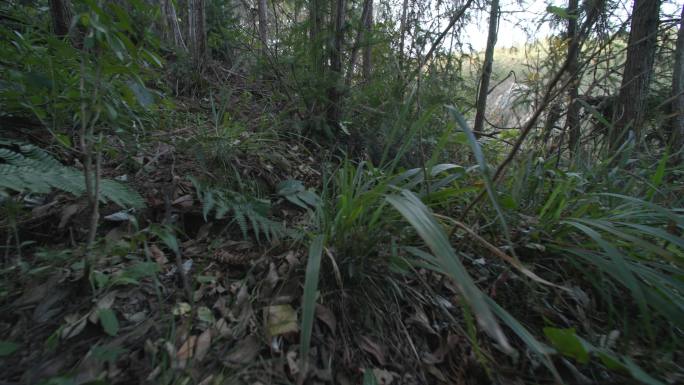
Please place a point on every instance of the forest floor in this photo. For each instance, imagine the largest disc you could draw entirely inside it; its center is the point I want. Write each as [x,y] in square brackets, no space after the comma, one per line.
[238,319]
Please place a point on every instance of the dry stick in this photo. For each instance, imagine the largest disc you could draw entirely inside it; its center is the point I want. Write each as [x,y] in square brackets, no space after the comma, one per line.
[511,260]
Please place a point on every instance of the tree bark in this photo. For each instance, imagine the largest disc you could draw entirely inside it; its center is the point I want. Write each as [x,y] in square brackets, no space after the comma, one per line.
[572,122]
[334,110]
[676,124]
[357,42]
[263,25]
[402,34]
[481,104]
[367,47]
[60,13]
[636,77]
[197,34]
[172,30]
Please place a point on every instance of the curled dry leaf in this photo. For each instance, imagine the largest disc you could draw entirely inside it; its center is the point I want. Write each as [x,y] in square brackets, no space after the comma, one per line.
[158,255]
[326,315]
[203,345]
[373,348]
[186,351]
[244,351]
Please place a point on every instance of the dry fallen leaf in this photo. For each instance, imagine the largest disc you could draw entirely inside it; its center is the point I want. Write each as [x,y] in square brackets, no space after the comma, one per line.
[280,319]
[158,255]
[244,351]
[186,350]
[373,348]
[203,345]
[326,315]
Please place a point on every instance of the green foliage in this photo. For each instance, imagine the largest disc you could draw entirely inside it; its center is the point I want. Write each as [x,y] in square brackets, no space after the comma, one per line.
[25,168]
[247,212]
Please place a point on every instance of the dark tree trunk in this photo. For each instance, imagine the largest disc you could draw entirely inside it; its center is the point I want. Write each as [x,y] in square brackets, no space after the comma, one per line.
[638,70]
[263,25]
[367,48]
[334,110]
[367,4]
[572,123]
[481,104]
[676,124]
[60,13]
[402,34]
[197,34]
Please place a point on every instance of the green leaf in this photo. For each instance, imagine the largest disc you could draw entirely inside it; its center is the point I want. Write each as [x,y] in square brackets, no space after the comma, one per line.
[108,321]
[422,220]
[566,341]
[7,348]
[313,267]
[560,12]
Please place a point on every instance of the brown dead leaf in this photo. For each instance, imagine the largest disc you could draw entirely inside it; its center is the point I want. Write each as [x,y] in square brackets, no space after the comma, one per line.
[203,345]
[158,255]
[69,211]
[280,319]
[244,351]
[186,351]
[373,348]
[75,325]
[105,302]
[184,201]
[222,329]
[326,315]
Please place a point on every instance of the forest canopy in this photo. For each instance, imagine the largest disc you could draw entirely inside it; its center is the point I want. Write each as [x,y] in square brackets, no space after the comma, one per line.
[341,191]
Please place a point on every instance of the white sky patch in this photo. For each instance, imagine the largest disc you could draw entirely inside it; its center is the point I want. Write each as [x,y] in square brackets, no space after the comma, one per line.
[519,21]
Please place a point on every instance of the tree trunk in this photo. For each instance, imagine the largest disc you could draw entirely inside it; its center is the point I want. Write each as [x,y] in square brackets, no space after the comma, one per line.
[172,30]
[317,57]
[367,4]
[572,122]
[60,13]
[638,70]
[676,124]
[197,35]
[402,34]
[367,48]
[263,25]
[334,109]
[481,104]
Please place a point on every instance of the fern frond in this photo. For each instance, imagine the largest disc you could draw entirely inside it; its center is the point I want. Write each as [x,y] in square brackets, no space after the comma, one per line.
[28,168]
[247,212]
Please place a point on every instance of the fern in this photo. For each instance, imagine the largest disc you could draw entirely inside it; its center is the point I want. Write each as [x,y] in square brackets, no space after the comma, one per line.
[27,168]
[248,213]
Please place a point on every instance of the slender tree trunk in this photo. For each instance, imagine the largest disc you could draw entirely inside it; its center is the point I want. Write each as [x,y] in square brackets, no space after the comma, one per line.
[263,25]
[638,70]
[402,34]
[334,110]
[481,104]
[172,30]
[367,48]
[60,13]
[676,124]
[197,35]
[317,57]
[572,122]
[357,42]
